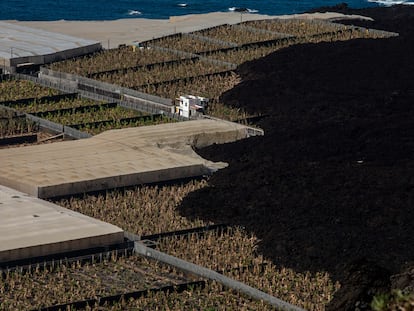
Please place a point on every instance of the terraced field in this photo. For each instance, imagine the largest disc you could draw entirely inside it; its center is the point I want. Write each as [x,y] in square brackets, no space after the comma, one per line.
[202,63]
[259,183]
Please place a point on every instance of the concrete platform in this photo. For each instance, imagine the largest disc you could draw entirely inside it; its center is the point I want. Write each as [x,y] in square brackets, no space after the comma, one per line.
[30,227]
[21,44]
[117,158]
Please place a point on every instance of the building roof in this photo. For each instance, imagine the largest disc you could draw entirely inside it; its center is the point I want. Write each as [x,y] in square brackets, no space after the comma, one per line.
[116,158]
[22,44]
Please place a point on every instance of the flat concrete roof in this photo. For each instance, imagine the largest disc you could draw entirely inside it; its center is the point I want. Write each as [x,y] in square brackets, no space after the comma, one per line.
[116,158]
[30,227]
[22,43]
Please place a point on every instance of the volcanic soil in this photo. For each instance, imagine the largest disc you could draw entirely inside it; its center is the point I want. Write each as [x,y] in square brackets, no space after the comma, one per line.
[330,187]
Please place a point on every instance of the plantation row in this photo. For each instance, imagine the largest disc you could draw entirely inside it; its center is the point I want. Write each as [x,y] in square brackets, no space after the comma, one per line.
[100,126]
[248,32]
[71,282]
[242,55]
[230,44]
[123,57]
[254,51]
[207,86]
[237,35]
[153,209]
[230,55]
[91,115]
[136,78]
[295,27]
[12,124]
[18,89]
[212,39]
[187,44]
[68,283]
[83,114]
[37,106]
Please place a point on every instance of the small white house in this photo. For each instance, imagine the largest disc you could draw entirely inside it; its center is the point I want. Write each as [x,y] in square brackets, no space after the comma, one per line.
[190,105]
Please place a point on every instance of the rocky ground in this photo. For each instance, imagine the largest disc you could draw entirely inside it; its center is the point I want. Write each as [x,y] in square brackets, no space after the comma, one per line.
[330,187]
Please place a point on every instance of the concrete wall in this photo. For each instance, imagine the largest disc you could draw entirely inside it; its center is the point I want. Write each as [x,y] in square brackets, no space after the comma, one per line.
[132,179]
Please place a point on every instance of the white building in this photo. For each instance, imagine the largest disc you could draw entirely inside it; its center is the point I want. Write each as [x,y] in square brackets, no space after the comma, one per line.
[190,105]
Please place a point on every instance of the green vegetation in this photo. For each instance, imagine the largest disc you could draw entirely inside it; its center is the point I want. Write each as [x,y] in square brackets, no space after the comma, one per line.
[18,89]
[153,209]
[39,106]
[66,111]
[200,77]
[12,123]
[395,300]
[120,58]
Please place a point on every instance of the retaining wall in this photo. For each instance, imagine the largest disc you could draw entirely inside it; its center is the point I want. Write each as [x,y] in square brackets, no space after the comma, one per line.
[52,126]
[110,90]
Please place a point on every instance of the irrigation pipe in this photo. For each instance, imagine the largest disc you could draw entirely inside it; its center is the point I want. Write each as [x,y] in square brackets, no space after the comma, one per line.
[212,275]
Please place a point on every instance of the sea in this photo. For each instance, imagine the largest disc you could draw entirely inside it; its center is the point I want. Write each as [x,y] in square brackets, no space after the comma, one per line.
[48,10]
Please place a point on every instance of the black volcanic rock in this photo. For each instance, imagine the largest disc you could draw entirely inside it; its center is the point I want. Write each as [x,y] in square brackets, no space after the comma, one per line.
[332,180]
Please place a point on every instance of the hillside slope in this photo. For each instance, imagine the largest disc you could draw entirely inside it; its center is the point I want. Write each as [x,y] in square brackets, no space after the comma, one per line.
[330,187]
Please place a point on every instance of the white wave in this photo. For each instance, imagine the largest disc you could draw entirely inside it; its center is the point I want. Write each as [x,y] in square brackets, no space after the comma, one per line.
[134,12]
[391,2]
[183,5]
[242,10]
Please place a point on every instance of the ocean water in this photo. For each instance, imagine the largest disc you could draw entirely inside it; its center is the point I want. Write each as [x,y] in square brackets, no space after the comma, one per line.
[45,10]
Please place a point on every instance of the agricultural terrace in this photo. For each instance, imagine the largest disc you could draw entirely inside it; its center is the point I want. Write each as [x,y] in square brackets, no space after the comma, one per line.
[162,73]
[188,43]
[42,105]
[237,34]
[15,128]
[147,210]
[13,124]
[18,89]
[69,109]
[153,209]
[120,58]
[156,69]
[241,55]
[295,27]
[253,51]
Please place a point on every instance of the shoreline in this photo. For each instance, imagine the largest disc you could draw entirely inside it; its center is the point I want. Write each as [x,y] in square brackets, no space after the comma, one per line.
[112,33]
